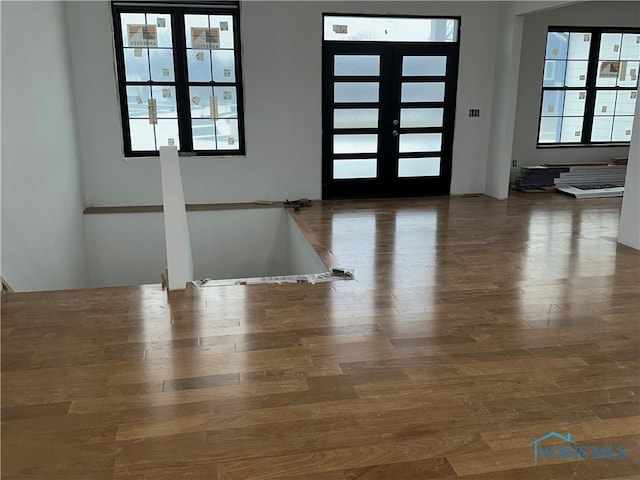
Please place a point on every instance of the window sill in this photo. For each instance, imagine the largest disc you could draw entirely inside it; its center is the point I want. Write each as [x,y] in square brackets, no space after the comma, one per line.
[148,155]
[581,145]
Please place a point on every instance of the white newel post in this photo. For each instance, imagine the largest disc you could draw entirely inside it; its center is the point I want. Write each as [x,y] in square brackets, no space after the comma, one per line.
[179,257]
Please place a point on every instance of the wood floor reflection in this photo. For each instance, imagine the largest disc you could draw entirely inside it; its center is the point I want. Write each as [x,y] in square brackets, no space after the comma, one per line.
[472,328]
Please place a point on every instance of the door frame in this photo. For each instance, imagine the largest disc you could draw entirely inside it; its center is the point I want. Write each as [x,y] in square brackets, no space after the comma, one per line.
[388,184]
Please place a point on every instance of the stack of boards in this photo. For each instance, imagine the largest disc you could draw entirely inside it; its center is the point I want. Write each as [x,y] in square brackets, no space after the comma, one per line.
[586,180]
[592,182]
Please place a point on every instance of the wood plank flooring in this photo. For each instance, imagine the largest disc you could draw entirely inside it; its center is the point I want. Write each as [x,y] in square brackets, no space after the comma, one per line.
[473,327]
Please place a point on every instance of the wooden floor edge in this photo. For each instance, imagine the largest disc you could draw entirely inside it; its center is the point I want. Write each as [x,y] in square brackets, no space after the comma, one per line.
[191,207]
[203,207]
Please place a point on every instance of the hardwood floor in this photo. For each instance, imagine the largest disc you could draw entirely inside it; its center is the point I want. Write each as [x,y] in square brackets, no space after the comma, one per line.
[473,328]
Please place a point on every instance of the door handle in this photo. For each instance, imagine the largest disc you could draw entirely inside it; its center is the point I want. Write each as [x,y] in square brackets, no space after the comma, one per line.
[395,122]
[394,133]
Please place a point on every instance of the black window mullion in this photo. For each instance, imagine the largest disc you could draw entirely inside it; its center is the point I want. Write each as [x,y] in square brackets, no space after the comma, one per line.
[182,85]
[235,18]
[122,84]
[592,77]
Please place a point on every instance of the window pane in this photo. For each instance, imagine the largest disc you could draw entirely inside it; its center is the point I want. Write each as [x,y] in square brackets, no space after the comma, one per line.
[576,75]
[161,60]
[355,92]
[200,102]
[420,142]
[608,73]
[137,97]
[630,46]
[223,66]
[571,130]
[203,134]
[384,29]
[130,19]
[622,129]
[191,21]
[550,130]
[421,117]
[419,167]
[199,65]
[136,64]
[163,22]
[227,101]
[142,135]
[355,118]
[610,46]
[355,65]
[557,43]
[227,134]
[357,168]
[424,66]
[165,101]
[579,44]
[626,103]
[574,101]
[628,76]
[422,92]
[366,143]
[552,103]
[554,71]
[601,130]
[225,24]
[605,103]
[167,133]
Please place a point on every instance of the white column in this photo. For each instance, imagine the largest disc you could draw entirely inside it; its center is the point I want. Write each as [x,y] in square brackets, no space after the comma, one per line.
[179,258]
[505,98]
[629,230]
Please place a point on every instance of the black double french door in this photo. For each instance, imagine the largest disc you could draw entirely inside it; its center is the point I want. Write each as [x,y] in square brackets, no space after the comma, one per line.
[388,118]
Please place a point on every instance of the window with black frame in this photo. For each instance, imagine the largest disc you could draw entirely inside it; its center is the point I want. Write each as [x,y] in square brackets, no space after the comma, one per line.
[179,77]
[589,86]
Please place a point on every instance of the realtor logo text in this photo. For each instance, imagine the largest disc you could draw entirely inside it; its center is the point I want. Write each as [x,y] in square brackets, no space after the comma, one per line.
[570,449]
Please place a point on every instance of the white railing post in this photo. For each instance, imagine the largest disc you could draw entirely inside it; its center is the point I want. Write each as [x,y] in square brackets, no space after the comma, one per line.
[176,228]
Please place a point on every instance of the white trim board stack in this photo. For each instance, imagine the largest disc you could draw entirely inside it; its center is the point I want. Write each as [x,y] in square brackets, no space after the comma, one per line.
[592,181]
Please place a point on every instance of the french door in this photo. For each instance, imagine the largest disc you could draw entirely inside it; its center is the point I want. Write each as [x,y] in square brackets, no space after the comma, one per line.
[388,118]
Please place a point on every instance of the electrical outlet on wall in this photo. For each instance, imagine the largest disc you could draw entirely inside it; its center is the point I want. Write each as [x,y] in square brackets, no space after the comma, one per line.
[514,163]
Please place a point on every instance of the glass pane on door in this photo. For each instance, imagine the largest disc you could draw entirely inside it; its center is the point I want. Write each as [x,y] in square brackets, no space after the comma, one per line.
[419,167]
[367,143]
[355,168]
[355,118]
[420,142]
[355,92]
[414,66]
[422,92]
[357,65]
[421,117]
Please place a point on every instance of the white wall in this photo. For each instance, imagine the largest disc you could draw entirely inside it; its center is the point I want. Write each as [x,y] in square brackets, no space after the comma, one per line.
[125,249]
[129,249]
[302,257]
[530,78]
[42,200]
[282,79]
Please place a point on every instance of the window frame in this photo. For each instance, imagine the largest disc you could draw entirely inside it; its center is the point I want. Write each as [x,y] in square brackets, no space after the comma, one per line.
[590,87]
[181,80]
